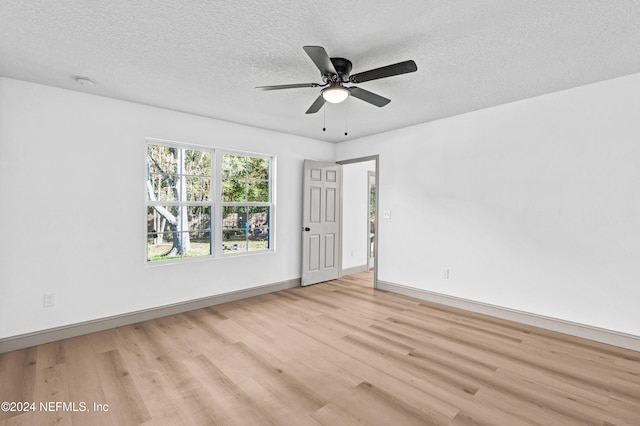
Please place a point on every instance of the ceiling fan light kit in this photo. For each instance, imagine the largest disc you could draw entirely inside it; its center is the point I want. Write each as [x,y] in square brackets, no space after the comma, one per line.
[335,94]
[336,72]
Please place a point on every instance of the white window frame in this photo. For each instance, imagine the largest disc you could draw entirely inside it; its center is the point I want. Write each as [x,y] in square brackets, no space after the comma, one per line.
[270,203]
[215,203]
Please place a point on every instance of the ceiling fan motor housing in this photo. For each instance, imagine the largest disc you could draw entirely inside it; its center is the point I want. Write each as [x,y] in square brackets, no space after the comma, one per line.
[343,67]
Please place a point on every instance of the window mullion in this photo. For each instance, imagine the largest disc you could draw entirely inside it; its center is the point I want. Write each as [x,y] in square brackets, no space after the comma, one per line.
[247,204]
[217,179]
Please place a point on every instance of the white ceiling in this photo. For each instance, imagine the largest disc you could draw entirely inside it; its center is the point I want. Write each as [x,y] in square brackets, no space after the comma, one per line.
[206,57]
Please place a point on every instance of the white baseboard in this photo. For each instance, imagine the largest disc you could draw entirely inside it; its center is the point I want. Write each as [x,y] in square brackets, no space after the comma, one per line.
[354,270]
[64,332]
[610,337]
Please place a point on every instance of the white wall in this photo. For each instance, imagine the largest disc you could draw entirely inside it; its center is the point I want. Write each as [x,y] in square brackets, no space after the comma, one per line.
[355,214]
[72,221]
[533,205]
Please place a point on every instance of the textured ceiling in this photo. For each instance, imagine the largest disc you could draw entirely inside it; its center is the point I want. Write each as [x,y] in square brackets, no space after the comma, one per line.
[206,57]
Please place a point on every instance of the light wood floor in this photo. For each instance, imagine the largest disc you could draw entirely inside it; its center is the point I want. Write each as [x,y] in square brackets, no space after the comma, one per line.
[336,353]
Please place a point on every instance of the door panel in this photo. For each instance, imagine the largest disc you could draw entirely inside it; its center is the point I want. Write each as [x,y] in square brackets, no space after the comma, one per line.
[320,222]
[330,213]
[314,252]
[314,204]
[329,251]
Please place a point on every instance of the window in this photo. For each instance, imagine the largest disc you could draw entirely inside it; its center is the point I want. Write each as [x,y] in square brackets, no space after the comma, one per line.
[179,202]
[246,207]
[185,195]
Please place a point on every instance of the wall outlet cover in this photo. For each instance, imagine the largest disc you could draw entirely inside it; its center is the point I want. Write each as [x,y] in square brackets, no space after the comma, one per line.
[445,273]
[49,300]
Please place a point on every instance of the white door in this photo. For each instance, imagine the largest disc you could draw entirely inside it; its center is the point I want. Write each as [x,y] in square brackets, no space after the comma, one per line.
[320,222]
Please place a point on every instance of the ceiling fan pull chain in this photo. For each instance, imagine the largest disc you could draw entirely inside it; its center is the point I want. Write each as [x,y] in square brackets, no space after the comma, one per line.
[346,113]
[324,119]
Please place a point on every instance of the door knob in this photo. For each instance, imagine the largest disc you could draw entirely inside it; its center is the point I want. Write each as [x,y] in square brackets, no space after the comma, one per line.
[306,229]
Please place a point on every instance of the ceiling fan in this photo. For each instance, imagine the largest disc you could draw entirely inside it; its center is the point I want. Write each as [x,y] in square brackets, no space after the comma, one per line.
[336,72]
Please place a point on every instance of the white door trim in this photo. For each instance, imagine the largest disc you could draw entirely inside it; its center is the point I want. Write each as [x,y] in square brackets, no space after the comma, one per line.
[375,158]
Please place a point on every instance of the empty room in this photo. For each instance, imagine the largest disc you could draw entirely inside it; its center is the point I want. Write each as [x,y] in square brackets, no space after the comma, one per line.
[320,213]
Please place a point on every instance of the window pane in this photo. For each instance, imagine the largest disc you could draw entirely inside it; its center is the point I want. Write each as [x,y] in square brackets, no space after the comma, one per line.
[158,246]
[258,217]
[233,241]
[162,159]
[233,217]
[259,239]
[199,218]
[197,163]
[241,166]
[162,187]
[200,244]
[258,228]
[258,190]
[178,231]
[245,178]
[234,229]
[162,169]
[233,166]
[257,168]
[198,188]
[234,190]
[176,174]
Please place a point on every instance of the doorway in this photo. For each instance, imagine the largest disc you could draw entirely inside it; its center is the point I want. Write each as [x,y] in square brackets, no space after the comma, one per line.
[359,211]
[373,219]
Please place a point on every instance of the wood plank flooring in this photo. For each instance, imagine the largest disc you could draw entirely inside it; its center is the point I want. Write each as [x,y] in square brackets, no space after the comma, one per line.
[337,353]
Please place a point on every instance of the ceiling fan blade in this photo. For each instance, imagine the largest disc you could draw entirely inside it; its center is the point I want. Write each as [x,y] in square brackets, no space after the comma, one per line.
[370,97]
[316,105]
[287,86]
[319,57]
[388,71]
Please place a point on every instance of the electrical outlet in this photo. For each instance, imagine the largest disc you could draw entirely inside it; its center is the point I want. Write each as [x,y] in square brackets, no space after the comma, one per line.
[386,214]
[444,273]
[49,300]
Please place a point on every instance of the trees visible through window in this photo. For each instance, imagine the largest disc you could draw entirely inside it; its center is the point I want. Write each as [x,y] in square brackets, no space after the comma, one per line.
[179,202]
[246,203]
[185,194]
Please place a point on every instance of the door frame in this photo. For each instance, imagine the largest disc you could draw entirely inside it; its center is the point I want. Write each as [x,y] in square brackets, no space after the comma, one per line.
[375,158]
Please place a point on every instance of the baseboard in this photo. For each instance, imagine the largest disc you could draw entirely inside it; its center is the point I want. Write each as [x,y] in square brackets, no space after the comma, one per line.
[73,330]
[610,337]
[354,270]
